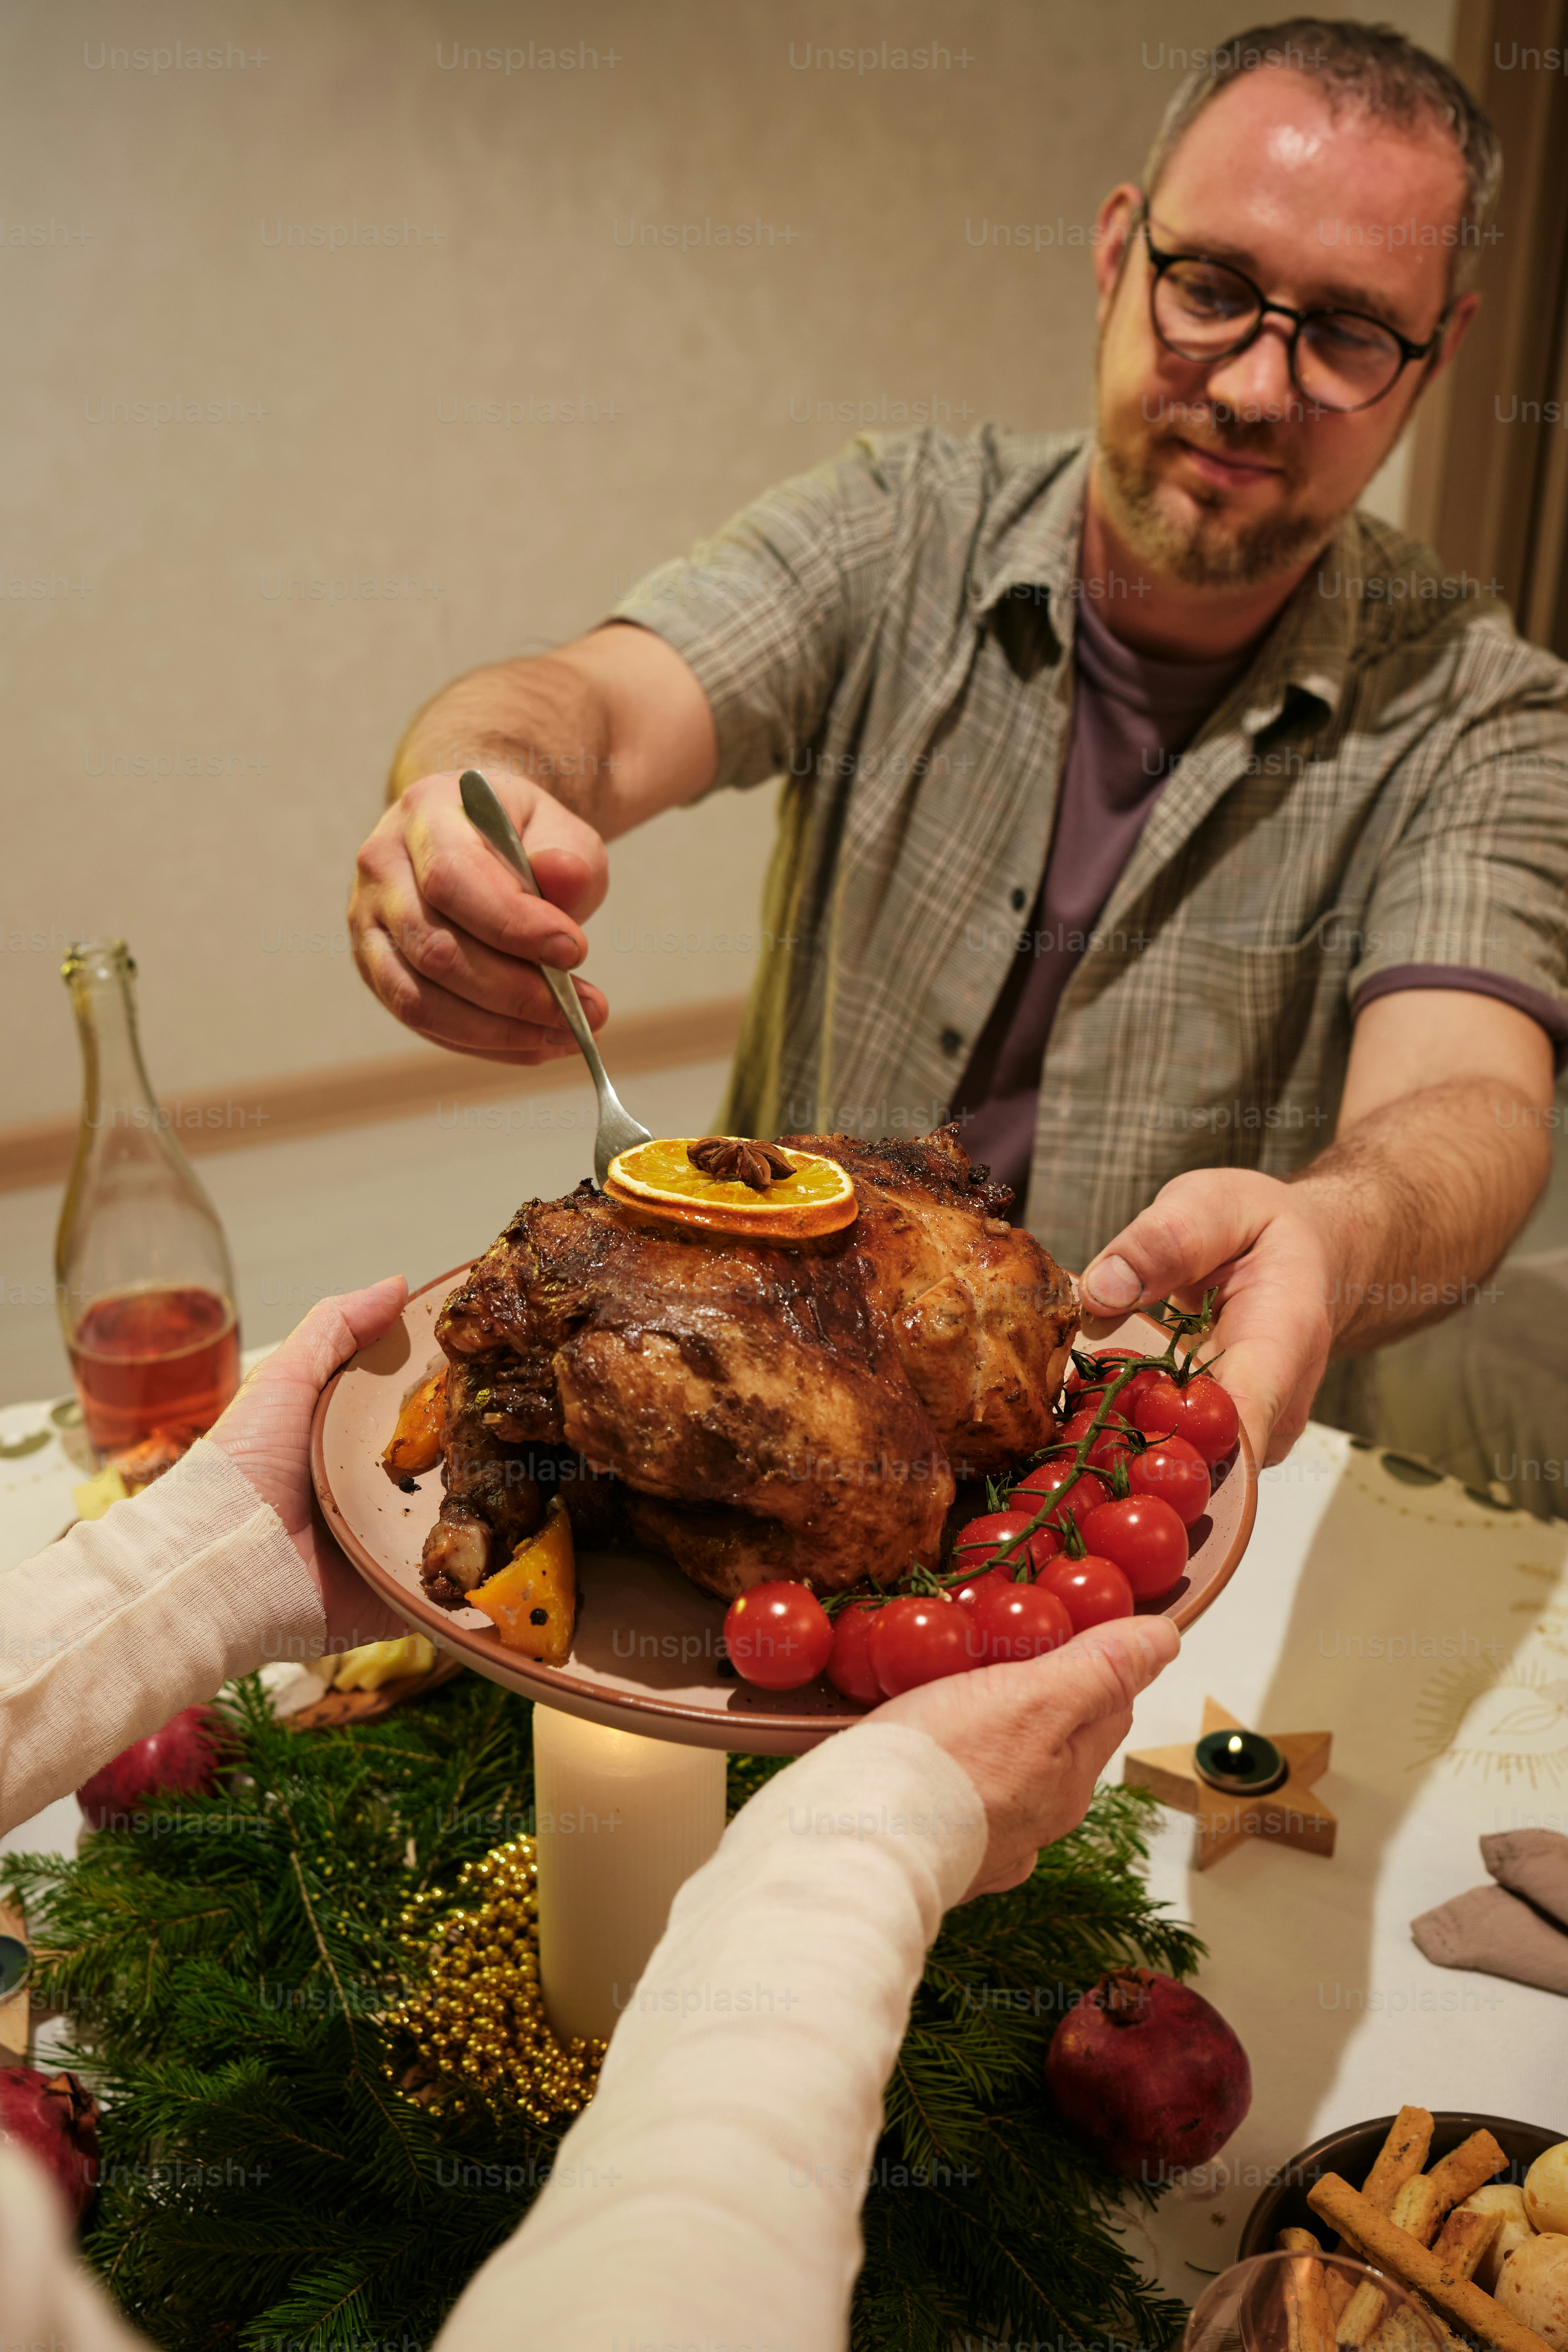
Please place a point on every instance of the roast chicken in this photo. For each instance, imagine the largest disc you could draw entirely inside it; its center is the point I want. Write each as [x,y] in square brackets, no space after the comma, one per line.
[753,1410]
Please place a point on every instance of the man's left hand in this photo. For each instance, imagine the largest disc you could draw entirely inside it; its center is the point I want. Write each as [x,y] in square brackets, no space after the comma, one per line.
[1247,1237]
[1442,1145]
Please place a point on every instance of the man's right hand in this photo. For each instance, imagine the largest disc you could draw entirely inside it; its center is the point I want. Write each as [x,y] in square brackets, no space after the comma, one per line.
[445,934]
[449,938]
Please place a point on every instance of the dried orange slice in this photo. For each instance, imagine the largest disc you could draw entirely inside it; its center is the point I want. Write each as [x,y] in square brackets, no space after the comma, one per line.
[659,1181]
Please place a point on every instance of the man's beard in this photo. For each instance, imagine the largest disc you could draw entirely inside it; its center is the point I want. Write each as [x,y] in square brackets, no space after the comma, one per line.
[1208,548]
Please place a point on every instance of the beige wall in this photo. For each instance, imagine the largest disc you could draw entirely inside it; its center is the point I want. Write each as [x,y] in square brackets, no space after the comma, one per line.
[155,194]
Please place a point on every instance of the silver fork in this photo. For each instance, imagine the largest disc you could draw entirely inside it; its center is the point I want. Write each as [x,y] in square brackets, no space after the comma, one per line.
[617,1129]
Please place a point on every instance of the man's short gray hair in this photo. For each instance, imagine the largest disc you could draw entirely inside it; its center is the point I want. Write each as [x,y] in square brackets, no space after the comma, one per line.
[1369,66]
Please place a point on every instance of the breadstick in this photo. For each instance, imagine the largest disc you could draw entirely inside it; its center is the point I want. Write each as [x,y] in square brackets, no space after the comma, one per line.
[1309,2315]
[1364,2318]
[1400,2157]
[1460,2300]
[1336,2286]
[1466,2169]
[1414,2209]
[1445,2334]
[1362,2312]
[1465,2239]
[1401,2331]
[1421,2204]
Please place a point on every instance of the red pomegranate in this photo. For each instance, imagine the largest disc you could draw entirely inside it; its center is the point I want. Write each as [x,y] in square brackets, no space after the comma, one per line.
[1149,2074]
[57,2119]
[182,1759]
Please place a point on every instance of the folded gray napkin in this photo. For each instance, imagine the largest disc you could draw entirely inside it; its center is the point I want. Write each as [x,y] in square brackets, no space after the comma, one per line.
[1531,1863]
[1514,1929]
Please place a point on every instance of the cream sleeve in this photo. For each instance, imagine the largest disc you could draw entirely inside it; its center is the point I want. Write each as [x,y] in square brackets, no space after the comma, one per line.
[711,2193]
[132,1617]
[49,2302]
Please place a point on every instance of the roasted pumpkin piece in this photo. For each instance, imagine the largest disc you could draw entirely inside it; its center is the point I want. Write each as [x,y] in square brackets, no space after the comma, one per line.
[532,1600]
[415,1443]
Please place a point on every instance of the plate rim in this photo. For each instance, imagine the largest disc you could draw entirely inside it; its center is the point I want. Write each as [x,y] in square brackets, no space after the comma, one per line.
[664,1717]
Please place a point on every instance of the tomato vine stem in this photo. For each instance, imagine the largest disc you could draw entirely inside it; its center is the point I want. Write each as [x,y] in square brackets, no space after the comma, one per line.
[1179,1324]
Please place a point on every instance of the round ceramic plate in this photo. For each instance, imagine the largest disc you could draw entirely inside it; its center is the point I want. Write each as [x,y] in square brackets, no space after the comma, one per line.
[646,1652]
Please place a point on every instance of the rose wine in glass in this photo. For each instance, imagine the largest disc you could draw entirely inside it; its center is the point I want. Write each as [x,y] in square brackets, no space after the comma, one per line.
[142,1270]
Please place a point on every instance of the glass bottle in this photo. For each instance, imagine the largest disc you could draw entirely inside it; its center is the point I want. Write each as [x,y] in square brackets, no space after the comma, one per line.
[142,1276]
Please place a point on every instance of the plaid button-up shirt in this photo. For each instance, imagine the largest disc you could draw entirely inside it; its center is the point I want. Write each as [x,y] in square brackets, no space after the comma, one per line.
[1386,786]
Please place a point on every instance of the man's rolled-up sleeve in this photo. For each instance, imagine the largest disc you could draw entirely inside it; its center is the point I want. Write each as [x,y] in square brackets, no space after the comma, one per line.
[767,613]
[1474,892]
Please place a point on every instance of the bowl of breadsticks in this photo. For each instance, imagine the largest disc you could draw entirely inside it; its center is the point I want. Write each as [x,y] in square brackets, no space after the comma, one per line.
[1468,2214]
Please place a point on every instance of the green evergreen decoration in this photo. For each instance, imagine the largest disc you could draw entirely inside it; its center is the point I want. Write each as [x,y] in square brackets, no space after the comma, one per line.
[267,2189]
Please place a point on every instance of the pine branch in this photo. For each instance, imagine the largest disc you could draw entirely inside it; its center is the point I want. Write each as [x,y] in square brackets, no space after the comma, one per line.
[298,1869]
[264,2178]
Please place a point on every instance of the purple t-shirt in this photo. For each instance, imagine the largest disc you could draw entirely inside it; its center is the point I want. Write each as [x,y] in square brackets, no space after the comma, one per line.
[1132,717]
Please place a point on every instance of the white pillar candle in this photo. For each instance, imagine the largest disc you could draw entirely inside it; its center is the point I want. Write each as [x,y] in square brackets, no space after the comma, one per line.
[622,1822]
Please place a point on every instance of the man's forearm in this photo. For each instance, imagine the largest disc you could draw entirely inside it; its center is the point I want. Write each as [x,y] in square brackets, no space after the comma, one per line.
[1417,1203]
[538,718]
[1442,1147]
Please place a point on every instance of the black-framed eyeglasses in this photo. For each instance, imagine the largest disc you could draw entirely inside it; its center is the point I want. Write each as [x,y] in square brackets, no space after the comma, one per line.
[1340,360]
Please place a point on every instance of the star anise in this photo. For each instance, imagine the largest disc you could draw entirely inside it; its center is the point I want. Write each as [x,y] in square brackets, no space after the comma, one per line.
[735,1159]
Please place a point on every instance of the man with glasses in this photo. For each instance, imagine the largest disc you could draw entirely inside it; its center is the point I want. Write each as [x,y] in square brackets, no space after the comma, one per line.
[1203,308]
[1190,835]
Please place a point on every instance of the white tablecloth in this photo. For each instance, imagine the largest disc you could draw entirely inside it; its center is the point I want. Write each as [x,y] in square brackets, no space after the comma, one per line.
[36,1486]
[1429,1634]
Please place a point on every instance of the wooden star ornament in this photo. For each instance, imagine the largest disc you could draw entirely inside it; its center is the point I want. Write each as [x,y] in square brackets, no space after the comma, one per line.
[13,2002]
[1291,1814]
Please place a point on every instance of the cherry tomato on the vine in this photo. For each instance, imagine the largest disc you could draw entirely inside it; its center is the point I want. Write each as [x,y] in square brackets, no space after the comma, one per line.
[1111,1362]
[848,1662]
[1176,1471]
[1154,1411]
[976,1542]
[1092,1590]
[915,1640]
[778,1636]
[1145,1538]
[1086,1491]
[1207,1418]
[1107,1363]
[967,1593]
[1019,1620]
[1202,1412]
[1114,1443]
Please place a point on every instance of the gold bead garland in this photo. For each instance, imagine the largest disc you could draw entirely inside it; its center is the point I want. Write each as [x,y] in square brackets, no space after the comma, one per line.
[478,2021]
